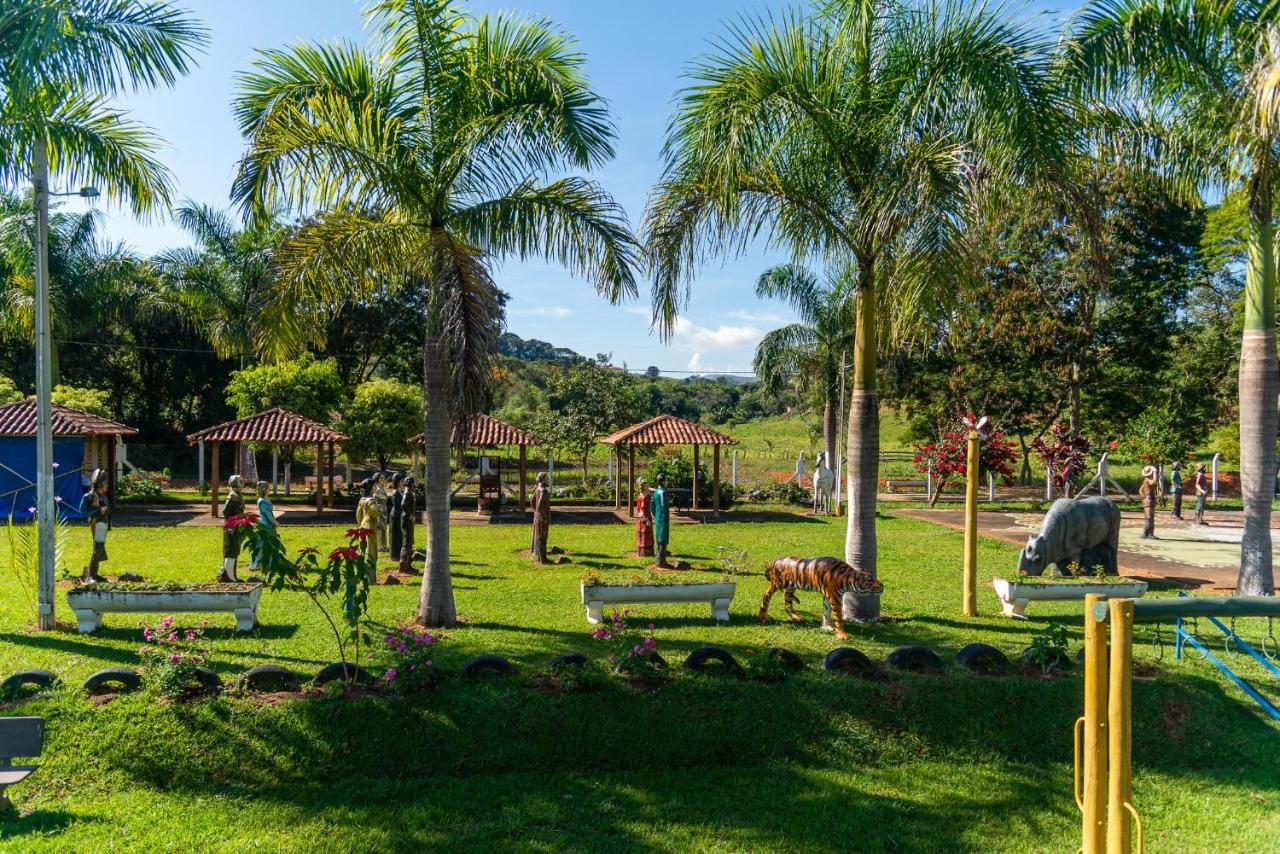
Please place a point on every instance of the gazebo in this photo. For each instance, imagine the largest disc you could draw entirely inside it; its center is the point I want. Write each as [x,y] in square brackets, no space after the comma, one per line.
[276,427]
[667,430]
[82,442]
[485,431]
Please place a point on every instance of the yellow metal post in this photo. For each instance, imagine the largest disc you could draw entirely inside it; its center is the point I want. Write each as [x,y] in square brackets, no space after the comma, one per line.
[1120,728]
[1093,798]
[971,528]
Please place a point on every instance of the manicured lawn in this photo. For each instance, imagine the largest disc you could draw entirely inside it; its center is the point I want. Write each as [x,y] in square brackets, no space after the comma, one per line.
[952,762]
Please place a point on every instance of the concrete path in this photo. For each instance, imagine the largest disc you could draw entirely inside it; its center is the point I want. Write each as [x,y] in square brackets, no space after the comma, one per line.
[1191,556]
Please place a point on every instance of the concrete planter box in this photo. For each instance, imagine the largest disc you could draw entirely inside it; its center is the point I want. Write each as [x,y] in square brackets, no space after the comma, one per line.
[90,605]
[1017,596]
[717,594]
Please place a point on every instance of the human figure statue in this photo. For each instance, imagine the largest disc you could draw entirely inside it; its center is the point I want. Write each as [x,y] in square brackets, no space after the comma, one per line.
[644,520]
[660,507]
[384,508]
[1149,491]
[231,508]
[541,519]
[409,512]
[266,521]
[369,513]
[395,514]
[1175,487]
[1202,493]
[96,507]
[824,483]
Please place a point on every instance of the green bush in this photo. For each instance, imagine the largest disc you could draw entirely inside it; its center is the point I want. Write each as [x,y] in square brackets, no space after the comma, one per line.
[135,486]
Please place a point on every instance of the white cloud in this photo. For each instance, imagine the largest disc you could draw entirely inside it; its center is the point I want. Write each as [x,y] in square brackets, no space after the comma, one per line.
[762,317]
[695,364]
[689,336]
[546,311]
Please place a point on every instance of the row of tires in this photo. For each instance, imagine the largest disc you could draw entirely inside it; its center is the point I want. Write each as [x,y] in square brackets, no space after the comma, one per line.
[976,657]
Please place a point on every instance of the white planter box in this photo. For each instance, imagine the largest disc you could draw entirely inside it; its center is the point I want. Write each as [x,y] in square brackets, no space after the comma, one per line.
[1016,596]
[718,594]
[90,605]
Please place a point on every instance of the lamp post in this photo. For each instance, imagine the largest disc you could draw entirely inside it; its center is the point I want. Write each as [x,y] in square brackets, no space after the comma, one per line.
[972,464]
[44,381]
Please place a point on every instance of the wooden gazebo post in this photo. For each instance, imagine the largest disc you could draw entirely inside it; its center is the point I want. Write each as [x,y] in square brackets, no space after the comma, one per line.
[213,479]
[715,482]
[695,476]
[332,495]
[631,478]
[524,481]
[319,478]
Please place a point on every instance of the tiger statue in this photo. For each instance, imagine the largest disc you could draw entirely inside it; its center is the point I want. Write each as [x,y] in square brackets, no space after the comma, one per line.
[830,576]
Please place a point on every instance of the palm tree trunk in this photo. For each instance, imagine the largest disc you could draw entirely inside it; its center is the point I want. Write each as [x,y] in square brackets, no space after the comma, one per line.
[830,410]
[863,454]
[435,601]
[1258,387]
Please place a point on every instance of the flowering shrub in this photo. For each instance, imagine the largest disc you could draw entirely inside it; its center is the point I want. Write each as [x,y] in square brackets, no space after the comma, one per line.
[1065,458]
[412,666]
[631,654]
[136,486]
[948,457]
[171,655]
[764,665]
[346,573]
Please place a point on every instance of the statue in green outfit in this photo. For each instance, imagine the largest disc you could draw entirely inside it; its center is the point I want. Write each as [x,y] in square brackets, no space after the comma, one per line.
[660,508]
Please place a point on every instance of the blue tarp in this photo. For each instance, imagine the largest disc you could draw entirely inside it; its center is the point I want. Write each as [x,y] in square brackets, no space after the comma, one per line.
[18,476]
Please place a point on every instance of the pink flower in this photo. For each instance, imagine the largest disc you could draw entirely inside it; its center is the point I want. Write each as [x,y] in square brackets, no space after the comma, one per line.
[175,658]
[146,633]
[172,638]
[638,650]
[649,643]
[167,622]
[57,465]
[390,675]
[429,662]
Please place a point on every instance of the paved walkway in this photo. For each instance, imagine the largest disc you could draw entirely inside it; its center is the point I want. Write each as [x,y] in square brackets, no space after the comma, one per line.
[1191,556]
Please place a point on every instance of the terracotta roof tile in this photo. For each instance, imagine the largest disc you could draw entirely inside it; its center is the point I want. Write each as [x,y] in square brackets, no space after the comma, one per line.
[19,419]
[668,430]
[484,431]
[278,426]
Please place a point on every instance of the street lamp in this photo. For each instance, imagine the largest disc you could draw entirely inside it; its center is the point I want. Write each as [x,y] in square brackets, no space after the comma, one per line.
[44,380]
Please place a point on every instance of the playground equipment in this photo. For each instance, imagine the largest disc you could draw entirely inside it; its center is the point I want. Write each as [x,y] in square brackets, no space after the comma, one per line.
[1104,735]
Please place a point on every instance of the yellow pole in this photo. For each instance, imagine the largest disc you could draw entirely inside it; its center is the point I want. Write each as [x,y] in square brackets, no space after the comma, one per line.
[971,528]
[1094,797]
[1120,728]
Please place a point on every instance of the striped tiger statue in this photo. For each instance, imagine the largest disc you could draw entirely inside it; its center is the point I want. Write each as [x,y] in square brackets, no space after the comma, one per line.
[830,576]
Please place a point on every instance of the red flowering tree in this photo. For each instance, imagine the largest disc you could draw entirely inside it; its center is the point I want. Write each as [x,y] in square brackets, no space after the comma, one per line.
[347,572]
[1064,456]
[947,457]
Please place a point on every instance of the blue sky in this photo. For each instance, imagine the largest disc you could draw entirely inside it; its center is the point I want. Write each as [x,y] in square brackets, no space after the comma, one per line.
[636,54]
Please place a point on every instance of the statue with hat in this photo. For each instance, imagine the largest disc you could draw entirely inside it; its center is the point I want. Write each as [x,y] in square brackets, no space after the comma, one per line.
[409,515]
[232,508]
[96,508]
[266,521]
[395,514]
[1150,494]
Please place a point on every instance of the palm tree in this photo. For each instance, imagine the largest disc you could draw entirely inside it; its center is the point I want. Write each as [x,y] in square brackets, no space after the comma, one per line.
[850,134]
[1187,81]
[426,158]
[91,283]
[815,348]
[221,284]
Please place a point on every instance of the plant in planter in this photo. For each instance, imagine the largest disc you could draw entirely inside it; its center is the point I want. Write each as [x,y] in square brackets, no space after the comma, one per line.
[345,574]
[172,656]
[732,561]
[1048,649]
[412,664]
[632,655]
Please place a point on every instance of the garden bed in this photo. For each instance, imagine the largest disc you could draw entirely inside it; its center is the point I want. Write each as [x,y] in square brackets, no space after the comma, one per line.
[91,601]
[1016,594]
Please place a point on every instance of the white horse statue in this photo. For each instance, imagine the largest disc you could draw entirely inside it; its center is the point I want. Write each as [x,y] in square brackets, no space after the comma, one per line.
[824,484]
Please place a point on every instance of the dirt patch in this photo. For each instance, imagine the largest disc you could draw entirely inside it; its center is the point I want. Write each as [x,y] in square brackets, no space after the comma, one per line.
[96,700]
[899,693]
[548,685]
[1174,716]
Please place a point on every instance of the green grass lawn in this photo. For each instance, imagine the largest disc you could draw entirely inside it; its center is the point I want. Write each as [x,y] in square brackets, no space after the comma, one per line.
[819,762]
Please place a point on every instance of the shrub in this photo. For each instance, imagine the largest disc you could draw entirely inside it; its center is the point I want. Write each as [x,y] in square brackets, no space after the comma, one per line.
[137,486]
[171,655]
[631,655]
[764,665]
[412,664]
[1049,647]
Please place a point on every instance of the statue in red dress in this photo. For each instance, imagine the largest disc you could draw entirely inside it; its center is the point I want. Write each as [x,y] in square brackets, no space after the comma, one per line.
[644,522]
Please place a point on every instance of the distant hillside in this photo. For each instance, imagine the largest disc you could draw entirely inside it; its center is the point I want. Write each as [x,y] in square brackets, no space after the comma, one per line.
[534,350]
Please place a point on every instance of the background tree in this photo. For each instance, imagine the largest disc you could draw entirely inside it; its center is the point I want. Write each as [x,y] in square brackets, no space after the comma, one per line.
[817,347]
[1188,81]
[1065,453]
[947,457]
[380,419]
[585,402]
[849,133]
[428,157]
[91,400]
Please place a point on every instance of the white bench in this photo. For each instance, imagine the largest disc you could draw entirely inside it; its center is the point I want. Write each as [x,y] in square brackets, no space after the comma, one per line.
[18,737]
[717,594]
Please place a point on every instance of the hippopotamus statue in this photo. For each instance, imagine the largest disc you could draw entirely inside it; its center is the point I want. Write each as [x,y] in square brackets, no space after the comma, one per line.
[1074,530]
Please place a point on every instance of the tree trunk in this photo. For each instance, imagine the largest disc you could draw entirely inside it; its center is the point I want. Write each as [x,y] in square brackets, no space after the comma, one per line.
[830,410]
[1024,473]
[1073,413]
[584,466]
[435,601]
[1258,386]
[863,454]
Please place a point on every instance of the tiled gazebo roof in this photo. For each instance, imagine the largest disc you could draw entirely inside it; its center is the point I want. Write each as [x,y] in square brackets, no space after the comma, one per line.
[484,431]
[277,426]
[668,430]
[19,419]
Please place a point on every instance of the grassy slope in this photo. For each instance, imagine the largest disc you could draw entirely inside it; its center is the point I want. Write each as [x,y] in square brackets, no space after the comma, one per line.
[918,763]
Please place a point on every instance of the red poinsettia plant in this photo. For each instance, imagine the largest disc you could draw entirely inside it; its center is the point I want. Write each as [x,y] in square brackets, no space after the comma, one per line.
[346,572]
[947,457]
